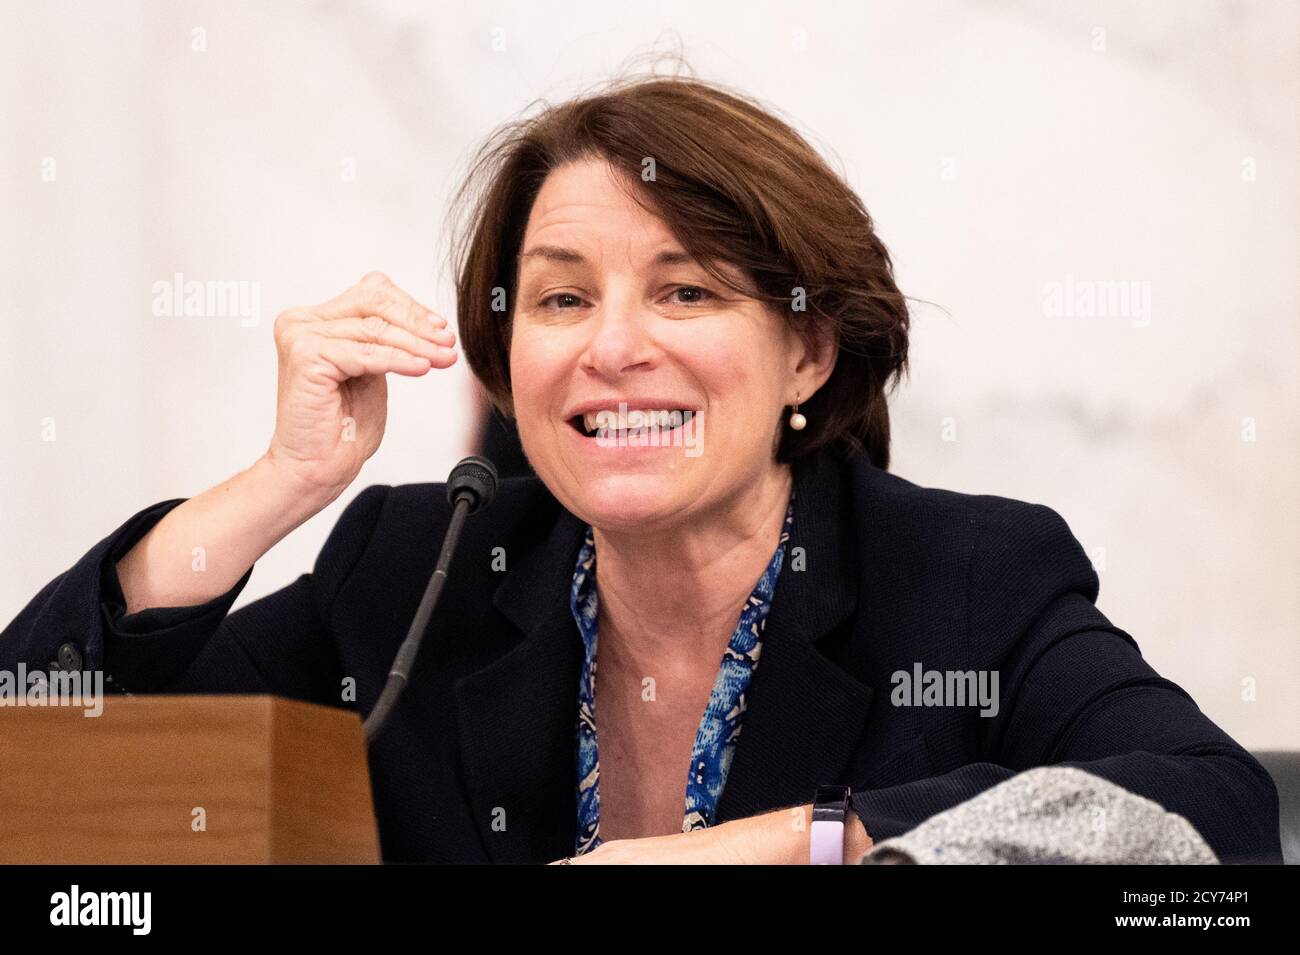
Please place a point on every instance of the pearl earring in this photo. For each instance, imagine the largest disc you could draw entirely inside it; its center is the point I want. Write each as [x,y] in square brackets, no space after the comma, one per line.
[797,421]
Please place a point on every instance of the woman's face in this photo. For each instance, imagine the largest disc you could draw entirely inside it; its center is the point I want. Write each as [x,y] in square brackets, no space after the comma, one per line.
[613,320]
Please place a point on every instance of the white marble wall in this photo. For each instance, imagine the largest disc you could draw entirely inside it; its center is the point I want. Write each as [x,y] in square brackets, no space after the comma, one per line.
[1001,146]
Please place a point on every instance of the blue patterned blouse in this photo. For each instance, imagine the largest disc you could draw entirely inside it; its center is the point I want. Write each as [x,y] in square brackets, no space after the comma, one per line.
[715,742]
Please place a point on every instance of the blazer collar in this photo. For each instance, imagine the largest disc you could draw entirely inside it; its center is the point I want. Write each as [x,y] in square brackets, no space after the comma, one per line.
[804,715]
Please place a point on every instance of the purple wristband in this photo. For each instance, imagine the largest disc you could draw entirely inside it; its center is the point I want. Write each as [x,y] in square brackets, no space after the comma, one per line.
[826,834]
[826,843]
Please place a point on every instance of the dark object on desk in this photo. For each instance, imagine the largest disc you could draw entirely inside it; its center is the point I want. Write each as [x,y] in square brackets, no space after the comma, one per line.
[1284,767]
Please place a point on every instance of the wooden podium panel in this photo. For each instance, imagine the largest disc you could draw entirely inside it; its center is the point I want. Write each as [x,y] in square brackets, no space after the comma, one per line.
[185,779]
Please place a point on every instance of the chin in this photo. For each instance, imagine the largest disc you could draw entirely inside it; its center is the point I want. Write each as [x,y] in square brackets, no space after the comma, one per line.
[626,502]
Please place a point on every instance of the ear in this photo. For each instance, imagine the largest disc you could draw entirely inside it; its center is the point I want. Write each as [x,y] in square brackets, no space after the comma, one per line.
[812,359]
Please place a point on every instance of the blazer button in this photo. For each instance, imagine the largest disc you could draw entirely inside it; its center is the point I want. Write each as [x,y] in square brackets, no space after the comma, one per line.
[69,657]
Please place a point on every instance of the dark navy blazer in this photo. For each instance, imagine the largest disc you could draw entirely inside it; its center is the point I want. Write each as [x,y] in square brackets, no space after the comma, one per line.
[894,576]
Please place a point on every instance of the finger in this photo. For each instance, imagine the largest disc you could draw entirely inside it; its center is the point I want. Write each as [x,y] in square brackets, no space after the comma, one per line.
[354,359]
[380,296]
[381,331]
[391,303]
[445,359]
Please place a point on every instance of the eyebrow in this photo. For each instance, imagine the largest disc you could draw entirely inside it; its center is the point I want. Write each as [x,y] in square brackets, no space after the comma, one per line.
[555,253]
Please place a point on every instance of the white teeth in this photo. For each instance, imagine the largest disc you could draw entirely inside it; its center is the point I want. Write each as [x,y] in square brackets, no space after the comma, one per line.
[630,420]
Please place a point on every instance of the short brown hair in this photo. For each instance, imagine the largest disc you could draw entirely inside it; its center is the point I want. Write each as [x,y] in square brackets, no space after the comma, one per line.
[734,184]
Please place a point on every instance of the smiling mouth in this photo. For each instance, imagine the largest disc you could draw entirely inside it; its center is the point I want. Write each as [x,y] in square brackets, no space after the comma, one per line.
[631,424]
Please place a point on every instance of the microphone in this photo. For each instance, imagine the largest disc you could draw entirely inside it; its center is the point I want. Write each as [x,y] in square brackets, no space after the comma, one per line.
[470,486]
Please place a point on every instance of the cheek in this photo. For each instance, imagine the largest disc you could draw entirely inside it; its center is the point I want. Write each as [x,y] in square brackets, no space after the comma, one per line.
[536,364]
[737,368]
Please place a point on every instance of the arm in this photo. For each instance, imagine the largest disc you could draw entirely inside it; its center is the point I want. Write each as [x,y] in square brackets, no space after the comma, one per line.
[278,644]
[201,548]
[781,837]
[331,410]
[147,599]
[1075,691]
[771,838]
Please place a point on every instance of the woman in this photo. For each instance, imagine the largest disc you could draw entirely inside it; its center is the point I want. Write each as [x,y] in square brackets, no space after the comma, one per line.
[694,324]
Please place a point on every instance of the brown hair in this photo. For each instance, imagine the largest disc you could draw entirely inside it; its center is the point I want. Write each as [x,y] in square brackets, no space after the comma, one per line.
[734,184]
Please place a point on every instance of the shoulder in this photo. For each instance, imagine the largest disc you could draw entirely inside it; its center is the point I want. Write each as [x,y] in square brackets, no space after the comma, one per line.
[398,517]
[1010,557]
[908,503]
[379,555]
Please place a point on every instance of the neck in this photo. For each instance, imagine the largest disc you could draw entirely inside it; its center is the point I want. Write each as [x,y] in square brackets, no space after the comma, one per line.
[674,594]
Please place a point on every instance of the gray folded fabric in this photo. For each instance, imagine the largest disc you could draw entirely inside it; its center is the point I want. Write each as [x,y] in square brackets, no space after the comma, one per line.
[1049,815]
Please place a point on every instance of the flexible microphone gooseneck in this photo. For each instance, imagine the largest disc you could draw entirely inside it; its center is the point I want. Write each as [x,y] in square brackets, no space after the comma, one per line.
[470,486]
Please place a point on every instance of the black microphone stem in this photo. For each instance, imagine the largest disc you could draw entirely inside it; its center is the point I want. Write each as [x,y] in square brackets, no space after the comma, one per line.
[405,659]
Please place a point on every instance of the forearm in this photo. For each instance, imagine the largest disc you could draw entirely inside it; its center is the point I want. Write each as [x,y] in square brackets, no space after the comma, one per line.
[782,837]
[205,545]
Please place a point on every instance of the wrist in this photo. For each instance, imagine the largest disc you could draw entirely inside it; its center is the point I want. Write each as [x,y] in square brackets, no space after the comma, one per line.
[857,841]
[783,838]
[772,838]
[297,498]
[837,835]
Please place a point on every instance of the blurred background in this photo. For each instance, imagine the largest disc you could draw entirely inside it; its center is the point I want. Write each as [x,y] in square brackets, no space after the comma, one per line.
[1094,204]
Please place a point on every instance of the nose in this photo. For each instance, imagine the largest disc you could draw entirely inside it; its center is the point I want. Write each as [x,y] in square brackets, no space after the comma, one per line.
[619,339]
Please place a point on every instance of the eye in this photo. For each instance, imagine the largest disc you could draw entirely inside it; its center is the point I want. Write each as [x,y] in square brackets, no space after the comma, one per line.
[562,300]
[691,295]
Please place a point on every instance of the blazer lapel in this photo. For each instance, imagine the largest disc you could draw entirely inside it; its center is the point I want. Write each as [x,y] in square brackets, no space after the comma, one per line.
[518,716]
[804,715]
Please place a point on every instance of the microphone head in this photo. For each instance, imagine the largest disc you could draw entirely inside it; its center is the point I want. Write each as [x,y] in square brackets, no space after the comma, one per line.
[475,479]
